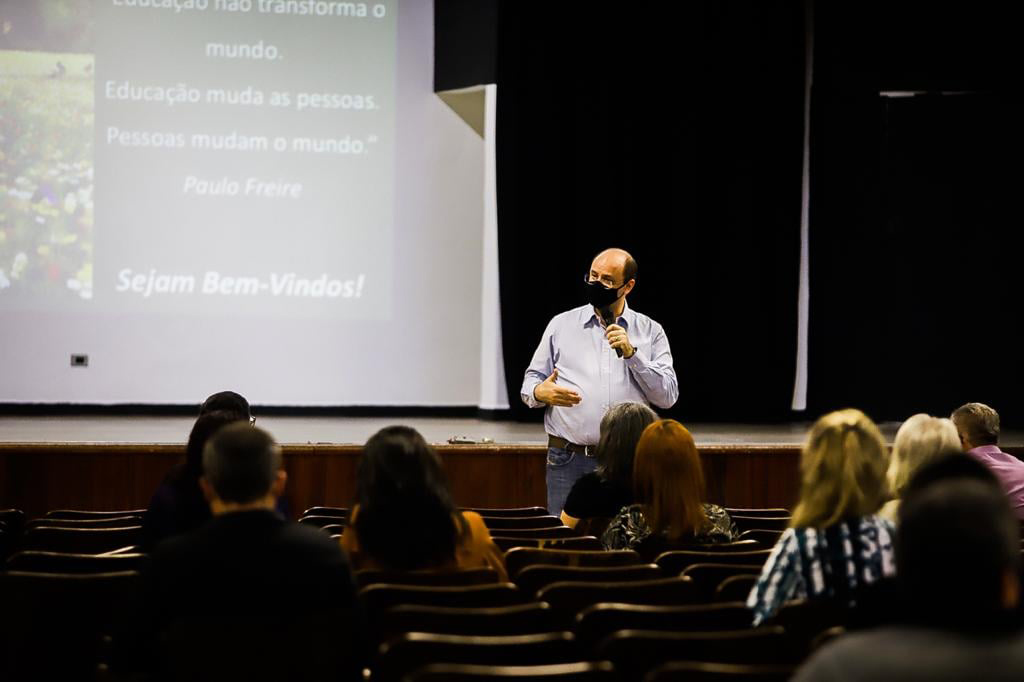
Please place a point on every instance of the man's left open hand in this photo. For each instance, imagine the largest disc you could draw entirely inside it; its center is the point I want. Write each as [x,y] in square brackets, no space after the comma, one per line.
[617,338]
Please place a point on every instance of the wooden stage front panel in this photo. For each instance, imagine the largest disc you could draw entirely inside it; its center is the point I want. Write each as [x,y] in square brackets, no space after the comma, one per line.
[37,477]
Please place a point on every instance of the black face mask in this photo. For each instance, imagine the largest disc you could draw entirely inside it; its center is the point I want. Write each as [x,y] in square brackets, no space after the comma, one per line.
[600,296]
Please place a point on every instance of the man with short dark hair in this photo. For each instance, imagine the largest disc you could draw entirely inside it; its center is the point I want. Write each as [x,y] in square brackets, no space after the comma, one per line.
[248,595]
[978,427]
[590,358]
[957,563]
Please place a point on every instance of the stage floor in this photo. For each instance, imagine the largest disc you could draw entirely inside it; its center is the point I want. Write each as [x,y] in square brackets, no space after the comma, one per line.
[355,430]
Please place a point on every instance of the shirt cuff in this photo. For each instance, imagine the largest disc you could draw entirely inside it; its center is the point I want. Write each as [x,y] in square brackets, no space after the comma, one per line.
[638,360]
[526,394]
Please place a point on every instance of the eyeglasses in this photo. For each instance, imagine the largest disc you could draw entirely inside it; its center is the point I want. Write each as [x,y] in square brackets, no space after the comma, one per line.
[606,282]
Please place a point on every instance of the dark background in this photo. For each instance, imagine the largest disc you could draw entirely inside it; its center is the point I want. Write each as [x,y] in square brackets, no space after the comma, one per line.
[676,131]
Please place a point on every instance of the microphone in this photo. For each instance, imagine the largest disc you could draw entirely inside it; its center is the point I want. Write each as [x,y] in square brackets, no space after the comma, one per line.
[608,318]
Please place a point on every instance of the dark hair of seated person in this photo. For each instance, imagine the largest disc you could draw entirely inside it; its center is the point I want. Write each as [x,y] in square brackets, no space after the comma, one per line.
[226,401]
[958,548]
[406,519]
[621,428]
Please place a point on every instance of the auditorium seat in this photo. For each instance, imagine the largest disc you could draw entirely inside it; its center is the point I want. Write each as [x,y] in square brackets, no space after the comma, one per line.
[573,597]
[709,576]
[594,623]
[675,562]
[510,511]
[465,576]
[496,522]
[532,579]
[635,652]
[521,557]
[601,671]
[333,529]
[682,671]
[321,521]
[79,540]
[53,624]
[413,650]
[765,537]
[518,619]
[100,522]
[595,525]
[654,546]
[735,588]
[342,512]
[13,519]
[578,543]
[58,562]
[769,512]
[84,514]
[744,523]
[383,595]
[549,533]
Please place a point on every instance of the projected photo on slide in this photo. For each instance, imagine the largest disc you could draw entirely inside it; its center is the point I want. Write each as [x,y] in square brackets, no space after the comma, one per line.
[46,151]
[239,155]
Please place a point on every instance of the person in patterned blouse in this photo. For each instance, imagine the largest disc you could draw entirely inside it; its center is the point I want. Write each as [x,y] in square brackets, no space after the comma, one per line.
[836,543]
[668,484]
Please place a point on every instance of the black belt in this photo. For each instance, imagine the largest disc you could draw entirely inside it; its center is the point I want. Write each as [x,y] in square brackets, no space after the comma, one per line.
[563,444]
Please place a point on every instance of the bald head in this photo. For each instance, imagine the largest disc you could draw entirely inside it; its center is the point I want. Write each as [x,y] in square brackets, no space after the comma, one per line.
[616,263]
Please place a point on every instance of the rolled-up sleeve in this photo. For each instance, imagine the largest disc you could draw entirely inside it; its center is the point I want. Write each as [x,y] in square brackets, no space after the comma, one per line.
[655,374]
[541,367]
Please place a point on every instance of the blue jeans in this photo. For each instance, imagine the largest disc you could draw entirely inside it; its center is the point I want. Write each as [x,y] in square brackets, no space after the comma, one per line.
[563,470]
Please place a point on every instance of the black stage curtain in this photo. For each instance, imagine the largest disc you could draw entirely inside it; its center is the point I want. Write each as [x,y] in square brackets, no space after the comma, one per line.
[673,130]
[915,212]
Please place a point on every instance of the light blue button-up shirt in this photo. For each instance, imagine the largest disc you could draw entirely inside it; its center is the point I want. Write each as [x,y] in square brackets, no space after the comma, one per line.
[575,344]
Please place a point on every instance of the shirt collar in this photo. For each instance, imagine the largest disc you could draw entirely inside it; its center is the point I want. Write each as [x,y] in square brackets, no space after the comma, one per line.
[589,316]
[985,450]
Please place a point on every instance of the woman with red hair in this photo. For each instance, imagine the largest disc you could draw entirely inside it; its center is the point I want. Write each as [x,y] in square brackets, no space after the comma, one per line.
[668,484]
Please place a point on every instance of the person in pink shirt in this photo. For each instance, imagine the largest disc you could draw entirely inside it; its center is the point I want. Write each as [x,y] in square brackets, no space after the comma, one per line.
[978,427]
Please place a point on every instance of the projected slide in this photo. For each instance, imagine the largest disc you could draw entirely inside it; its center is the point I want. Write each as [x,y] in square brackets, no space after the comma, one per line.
[198,155]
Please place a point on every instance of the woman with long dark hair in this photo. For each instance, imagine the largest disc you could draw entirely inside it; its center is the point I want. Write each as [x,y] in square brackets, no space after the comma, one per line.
[404,518]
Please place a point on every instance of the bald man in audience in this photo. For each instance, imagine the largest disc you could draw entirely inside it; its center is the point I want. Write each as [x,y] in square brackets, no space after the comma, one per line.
[248,595]
[978,427]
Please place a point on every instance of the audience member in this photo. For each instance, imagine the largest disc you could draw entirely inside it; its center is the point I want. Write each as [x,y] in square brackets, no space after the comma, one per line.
[837,543]
[404,518]
[178,505]
[668,484]
[249,595]
[978,426]
[227,401]
[602,493]
[958,558]
[919,440]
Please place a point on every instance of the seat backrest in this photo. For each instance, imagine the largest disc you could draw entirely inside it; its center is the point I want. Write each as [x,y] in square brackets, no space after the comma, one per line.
[675,562]
[14,519]
[600,671]
[682,671]
[773,512]
[375,598]
[709,576]
[58,562]
[53,624]
[79,540]
[465,576]
[413,650]
[766,537]
[532,578]
[766,522]
[342,512]
[509,511]
[85,514]
[595,623]
[520,557]
[100,522]
[521,619]
[559,531]
[321,520]
[333,529]
[584,543]
[735,588]
[496,522]
[573,597]
[635,652]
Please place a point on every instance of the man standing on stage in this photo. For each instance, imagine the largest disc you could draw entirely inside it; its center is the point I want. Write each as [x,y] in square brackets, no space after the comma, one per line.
[589,359]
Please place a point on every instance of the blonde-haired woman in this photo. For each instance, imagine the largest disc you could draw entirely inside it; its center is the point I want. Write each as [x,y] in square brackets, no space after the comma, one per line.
[836,542]
[920,439]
